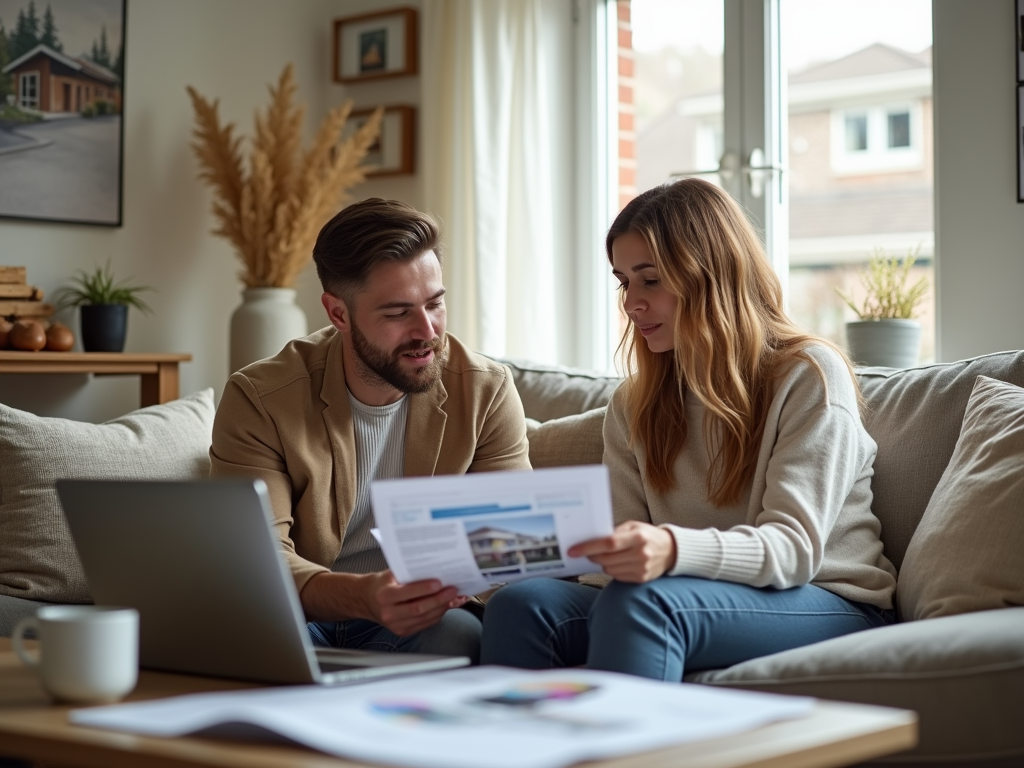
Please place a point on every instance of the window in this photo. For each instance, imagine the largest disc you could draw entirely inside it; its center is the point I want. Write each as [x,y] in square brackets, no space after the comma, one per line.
[856,133]
[29,90]
[826,104]
[882,138]
[899,129]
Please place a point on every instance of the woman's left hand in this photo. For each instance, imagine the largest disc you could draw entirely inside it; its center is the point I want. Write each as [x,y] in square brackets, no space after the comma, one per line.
[635,552]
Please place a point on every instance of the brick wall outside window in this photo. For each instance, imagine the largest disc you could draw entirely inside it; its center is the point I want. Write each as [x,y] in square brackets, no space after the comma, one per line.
[627,129]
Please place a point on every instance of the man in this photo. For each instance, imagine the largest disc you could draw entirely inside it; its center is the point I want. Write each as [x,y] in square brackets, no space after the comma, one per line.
[382,392]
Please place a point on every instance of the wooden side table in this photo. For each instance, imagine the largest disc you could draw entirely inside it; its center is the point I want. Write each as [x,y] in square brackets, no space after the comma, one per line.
[158,371]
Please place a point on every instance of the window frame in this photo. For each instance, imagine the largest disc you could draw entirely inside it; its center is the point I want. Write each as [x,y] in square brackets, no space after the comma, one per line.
[23,79]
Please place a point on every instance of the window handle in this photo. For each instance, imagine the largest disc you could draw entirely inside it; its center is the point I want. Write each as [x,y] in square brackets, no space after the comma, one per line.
[755,169]
[727,167]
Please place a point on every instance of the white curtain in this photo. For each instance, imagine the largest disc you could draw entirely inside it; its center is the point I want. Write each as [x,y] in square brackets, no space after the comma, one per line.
[498,169]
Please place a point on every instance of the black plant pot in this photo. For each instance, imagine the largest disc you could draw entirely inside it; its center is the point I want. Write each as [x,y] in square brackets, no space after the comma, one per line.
[104,327]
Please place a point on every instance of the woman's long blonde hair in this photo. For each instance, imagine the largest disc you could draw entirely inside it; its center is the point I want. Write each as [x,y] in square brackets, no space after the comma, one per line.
[732,336]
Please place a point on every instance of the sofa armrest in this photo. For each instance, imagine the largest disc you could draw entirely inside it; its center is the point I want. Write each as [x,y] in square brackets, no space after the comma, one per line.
[963,675]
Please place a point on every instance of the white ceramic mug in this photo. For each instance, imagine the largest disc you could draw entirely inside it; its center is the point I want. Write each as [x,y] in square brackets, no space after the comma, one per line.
[87,653]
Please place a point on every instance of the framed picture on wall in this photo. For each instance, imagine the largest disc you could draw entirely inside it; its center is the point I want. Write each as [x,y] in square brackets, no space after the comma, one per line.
[393,152]
[1018,23]
[375,45]
[1020,142]
[61,110]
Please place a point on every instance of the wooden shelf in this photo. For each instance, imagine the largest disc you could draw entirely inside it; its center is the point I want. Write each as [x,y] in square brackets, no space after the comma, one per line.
[158,371]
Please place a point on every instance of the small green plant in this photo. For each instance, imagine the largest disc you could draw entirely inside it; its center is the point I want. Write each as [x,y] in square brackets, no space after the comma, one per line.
[99,287]
[885,280]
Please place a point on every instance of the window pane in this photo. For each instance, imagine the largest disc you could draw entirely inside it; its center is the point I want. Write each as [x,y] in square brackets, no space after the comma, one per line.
[899,129]
[856,133]
[678,48]
[860,160]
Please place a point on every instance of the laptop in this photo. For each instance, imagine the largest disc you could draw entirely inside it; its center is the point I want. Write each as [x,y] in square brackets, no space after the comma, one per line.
[200,563]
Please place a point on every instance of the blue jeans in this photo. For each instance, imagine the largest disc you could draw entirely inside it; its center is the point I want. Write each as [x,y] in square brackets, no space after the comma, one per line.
[457,634]
[663,628]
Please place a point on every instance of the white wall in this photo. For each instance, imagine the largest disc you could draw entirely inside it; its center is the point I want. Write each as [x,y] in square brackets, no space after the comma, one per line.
[231,50]
[979,223]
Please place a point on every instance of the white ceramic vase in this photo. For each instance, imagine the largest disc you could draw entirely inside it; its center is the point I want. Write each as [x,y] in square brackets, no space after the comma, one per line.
[890,343]
[266,320]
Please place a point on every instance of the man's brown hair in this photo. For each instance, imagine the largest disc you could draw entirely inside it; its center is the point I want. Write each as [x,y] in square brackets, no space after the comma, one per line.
[365,234]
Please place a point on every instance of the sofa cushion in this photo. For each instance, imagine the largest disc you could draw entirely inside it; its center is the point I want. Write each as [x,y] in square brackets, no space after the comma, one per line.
[567,441]
[966,552]
[37,555]
[915,415]
[553,391]
[963,675]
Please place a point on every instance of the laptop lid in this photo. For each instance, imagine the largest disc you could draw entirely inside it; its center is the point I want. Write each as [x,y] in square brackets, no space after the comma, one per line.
[199,561]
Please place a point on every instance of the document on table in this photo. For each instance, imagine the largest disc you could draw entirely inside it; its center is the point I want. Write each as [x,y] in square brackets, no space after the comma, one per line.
[493,716]
[478,530]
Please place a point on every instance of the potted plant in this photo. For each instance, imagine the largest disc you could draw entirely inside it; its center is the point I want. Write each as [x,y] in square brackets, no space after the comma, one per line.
[886,333]
[104,307]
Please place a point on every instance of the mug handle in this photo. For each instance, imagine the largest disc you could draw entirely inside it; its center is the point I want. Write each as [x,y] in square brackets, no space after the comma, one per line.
[18,641]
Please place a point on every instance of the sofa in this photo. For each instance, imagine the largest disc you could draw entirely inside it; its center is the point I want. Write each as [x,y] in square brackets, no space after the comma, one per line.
[948,490]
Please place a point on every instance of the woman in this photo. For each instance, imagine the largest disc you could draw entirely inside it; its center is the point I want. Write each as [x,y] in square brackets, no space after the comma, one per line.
[740,469]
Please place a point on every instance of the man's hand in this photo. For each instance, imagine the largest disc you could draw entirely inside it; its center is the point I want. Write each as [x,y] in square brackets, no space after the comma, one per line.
[635,552]
[409,608]
[402,608]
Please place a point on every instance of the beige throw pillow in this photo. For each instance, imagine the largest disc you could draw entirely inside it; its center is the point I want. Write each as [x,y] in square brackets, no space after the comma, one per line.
[37,555]
[966,552]
[567,441]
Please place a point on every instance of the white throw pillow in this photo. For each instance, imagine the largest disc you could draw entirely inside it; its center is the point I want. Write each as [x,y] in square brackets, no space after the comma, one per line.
[37,555]
[966,552]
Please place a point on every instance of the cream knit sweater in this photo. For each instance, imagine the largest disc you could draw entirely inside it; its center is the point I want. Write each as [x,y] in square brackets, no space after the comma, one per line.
[806,517]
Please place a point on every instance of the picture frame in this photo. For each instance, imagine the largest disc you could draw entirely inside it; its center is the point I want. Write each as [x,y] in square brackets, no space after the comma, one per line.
[1018,23]
[1020,142]
[376,45]
[393,154]
[61,112]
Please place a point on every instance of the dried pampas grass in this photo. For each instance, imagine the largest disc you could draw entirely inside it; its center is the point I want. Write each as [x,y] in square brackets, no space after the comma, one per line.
[272,211]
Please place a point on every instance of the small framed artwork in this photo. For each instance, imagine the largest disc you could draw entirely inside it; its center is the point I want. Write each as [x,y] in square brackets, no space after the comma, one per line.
[375,45]
[1018,23]
[393,152]
[1020,142]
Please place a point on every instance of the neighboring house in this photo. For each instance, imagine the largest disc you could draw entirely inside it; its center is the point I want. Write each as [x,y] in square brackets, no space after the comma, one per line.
[50,82]
[860,157]
[499,546]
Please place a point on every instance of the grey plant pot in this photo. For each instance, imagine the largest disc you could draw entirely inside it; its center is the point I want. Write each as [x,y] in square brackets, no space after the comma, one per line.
[889,343]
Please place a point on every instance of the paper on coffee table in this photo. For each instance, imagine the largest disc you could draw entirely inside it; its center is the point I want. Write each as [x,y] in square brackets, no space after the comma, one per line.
[478,530]
[493,716]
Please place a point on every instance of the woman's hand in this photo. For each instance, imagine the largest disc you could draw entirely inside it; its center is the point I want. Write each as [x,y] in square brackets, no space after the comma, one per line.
[635,552]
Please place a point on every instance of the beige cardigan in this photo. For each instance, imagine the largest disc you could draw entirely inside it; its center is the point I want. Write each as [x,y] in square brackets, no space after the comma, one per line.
[287,420]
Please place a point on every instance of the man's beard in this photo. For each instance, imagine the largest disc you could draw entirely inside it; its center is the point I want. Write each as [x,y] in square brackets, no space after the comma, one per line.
[378,366]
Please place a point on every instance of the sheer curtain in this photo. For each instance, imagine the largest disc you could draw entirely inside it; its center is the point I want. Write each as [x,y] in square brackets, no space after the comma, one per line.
[498,168]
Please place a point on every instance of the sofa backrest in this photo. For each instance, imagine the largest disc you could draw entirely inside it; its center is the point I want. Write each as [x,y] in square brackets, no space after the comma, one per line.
[551,392]
[914,415]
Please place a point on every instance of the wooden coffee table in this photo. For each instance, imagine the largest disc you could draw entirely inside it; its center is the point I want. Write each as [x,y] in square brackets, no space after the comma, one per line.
[33,728]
